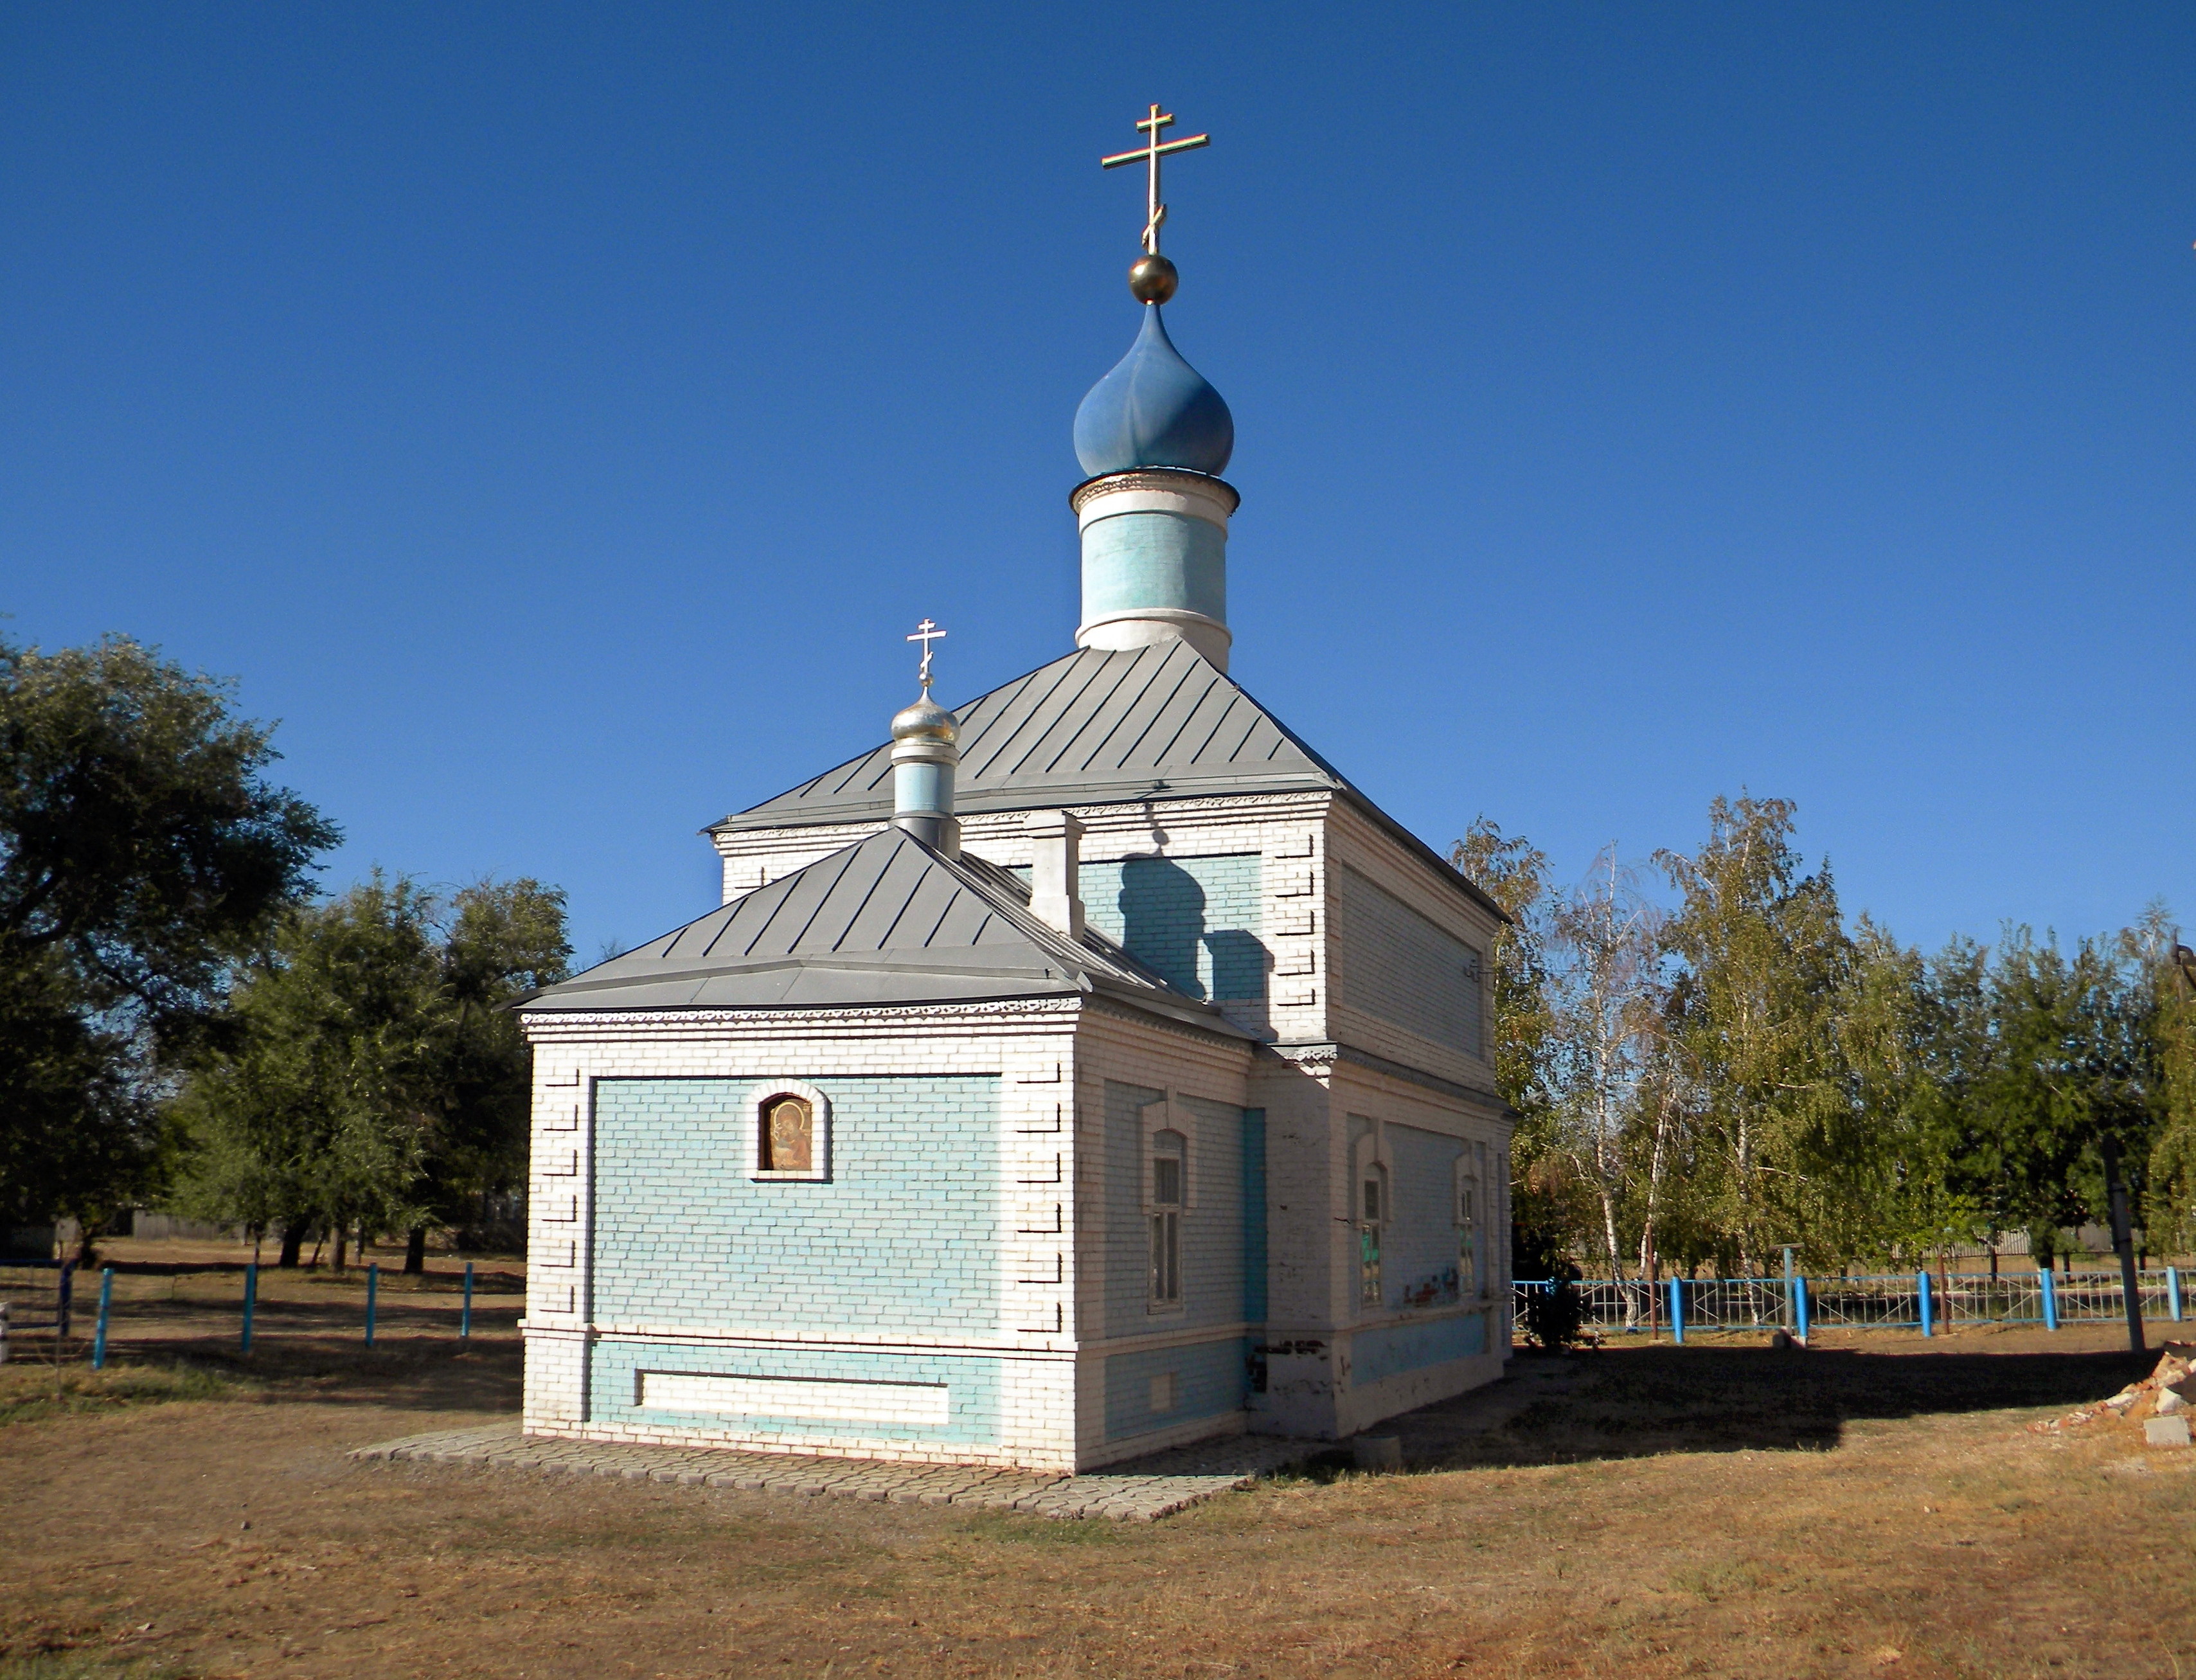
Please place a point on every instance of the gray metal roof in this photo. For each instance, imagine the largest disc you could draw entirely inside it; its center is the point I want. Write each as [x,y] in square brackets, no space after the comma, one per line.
[1098,728]
[887,921]
[1093,728]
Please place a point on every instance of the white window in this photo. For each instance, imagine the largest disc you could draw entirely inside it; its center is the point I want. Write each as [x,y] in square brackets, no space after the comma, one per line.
[1373,1210]
[1163,1211]
[1468,1242]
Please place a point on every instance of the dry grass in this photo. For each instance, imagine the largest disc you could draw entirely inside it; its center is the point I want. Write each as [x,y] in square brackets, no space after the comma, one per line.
[1713,1510]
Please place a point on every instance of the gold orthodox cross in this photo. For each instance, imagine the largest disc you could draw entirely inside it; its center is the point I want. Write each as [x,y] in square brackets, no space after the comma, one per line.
[1149,154]
[926,632]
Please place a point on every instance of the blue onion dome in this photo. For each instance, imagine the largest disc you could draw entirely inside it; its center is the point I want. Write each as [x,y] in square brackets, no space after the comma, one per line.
[1153,410]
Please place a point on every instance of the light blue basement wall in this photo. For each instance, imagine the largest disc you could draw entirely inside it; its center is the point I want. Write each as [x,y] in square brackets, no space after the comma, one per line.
[616,1365]
[903,1238]
[1375,1355]
[1201,1380]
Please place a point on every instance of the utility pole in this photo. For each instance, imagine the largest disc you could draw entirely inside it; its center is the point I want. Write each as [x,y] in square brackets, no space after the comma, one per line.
[2123,1241]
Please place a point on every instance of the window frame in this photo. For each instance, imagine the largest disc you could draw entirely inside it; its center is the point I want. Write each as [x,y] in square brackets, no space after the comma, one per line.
[1163,1280]
[1374,1212]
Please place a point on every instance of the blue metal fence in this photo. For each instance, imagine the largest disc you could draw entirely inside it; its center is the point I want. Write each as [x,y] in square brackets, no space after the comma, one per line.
[1920,1301]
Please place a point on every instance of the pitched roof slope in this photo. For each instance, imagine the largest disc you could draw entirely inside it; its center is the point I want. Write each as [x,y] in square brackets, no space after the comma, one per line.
[1099,727]
[1095,727]
[887,921]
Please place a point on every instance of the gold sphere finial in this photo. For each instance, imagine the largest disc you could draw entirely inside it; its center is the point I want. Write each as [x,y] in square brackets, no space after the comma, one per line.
[1153,278]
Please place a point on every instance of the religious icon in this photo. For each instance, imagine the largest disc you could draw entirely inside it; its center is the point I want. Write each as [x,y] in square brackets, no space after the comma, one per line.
[789,1134]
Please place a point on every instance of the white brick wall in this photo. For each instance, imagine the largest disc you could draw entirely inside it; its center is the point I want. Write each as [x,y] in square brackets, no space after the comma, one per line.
[1054,1062]
[1050,1056]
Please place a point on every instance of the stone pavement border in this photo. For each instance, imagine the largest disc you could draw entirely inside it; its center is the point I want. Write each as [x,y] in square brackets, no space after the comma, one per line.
[1141,1490]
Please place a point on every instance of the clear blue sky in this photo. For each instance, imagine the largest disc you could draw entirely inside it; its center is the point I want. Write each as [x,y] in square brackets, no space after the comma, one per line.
[556,415]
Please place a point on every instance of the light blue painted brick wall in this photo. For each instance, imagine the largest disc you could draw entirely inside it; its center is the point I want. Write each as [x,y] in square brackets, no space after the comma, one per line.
[1209,1378]
[1254,1216]
[971,1383]
[1199,921]
[1375,1354]
[1213,1235]
[1418,1263]
[905,1236]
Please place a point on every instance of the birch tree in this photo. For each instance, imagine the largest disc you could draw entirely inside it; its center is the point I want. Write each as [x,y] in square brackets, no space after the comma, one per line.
[1604,964]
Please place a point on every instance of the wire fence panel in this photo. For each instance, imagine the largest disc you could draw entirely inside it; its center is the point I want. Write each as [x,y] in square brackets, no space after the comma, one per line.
[1892,1302]
[37,1293]
[1736,1303]
[1864,1303]
[1959,1299]
[2091,1296]
[1618,1304]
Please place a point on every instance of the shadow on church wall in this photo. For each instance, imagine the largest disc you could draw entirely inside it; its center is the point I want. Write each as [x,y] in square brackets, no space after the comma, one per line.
[1238,965]
[1163,914]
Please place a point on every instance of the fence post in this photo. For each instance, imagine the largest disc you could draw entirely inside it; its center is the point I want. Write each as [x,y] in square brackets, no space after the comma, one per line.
[2173,1293]
[1928,1313]
[372,1287]
[3,1332]
[1800,1304]
[98,1335]
[465,1312]
[2050,1299]
[1678,1310]
[251,1300]
[64,1300]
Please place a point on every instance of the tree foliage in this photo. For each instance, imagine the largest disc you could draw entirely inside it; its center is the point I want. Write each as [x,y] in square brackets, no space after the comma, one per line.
[1514,875]
[1745,1072]
[142,850]
[366,1075]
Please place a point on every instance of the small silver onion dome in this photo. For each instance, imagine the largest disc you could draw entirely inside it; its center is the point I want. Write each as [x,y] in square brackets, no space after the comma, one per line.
[925,720]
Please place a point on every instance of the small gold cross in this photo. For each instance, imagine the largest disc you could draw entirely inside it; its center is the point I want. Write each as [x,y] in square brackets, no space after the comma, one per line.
[926,632]
[1149,154]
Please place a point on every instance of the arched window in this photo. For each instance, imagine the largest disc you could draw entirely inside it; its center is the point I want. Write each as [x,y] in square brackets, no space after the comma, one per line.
[1372,1193]
[1468,1257]
[792,1132]
[1163,1209]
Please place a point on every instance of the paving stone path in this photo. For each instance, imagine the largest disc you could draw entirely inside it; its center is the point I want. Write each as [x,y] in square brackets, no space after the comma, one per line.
[1142,1490]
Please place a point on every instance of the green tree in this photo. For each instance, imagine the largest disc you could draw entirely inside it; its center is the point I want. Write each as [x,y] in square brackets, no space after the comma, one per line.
[1916,1172]
[142,849]
[502,941]
[2169,1209]
[313,1107]
[78,1137]
[368,1076]
[2076,1069]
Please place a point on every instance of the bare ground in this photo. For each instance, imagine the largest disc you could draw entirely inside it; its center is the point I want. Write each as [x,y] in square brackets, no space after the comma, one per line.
[1877,1509]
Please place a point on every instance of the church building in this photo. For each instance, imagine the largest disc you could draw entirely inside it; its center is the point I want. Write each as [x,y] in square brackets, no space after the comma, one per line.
[1086,1070]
